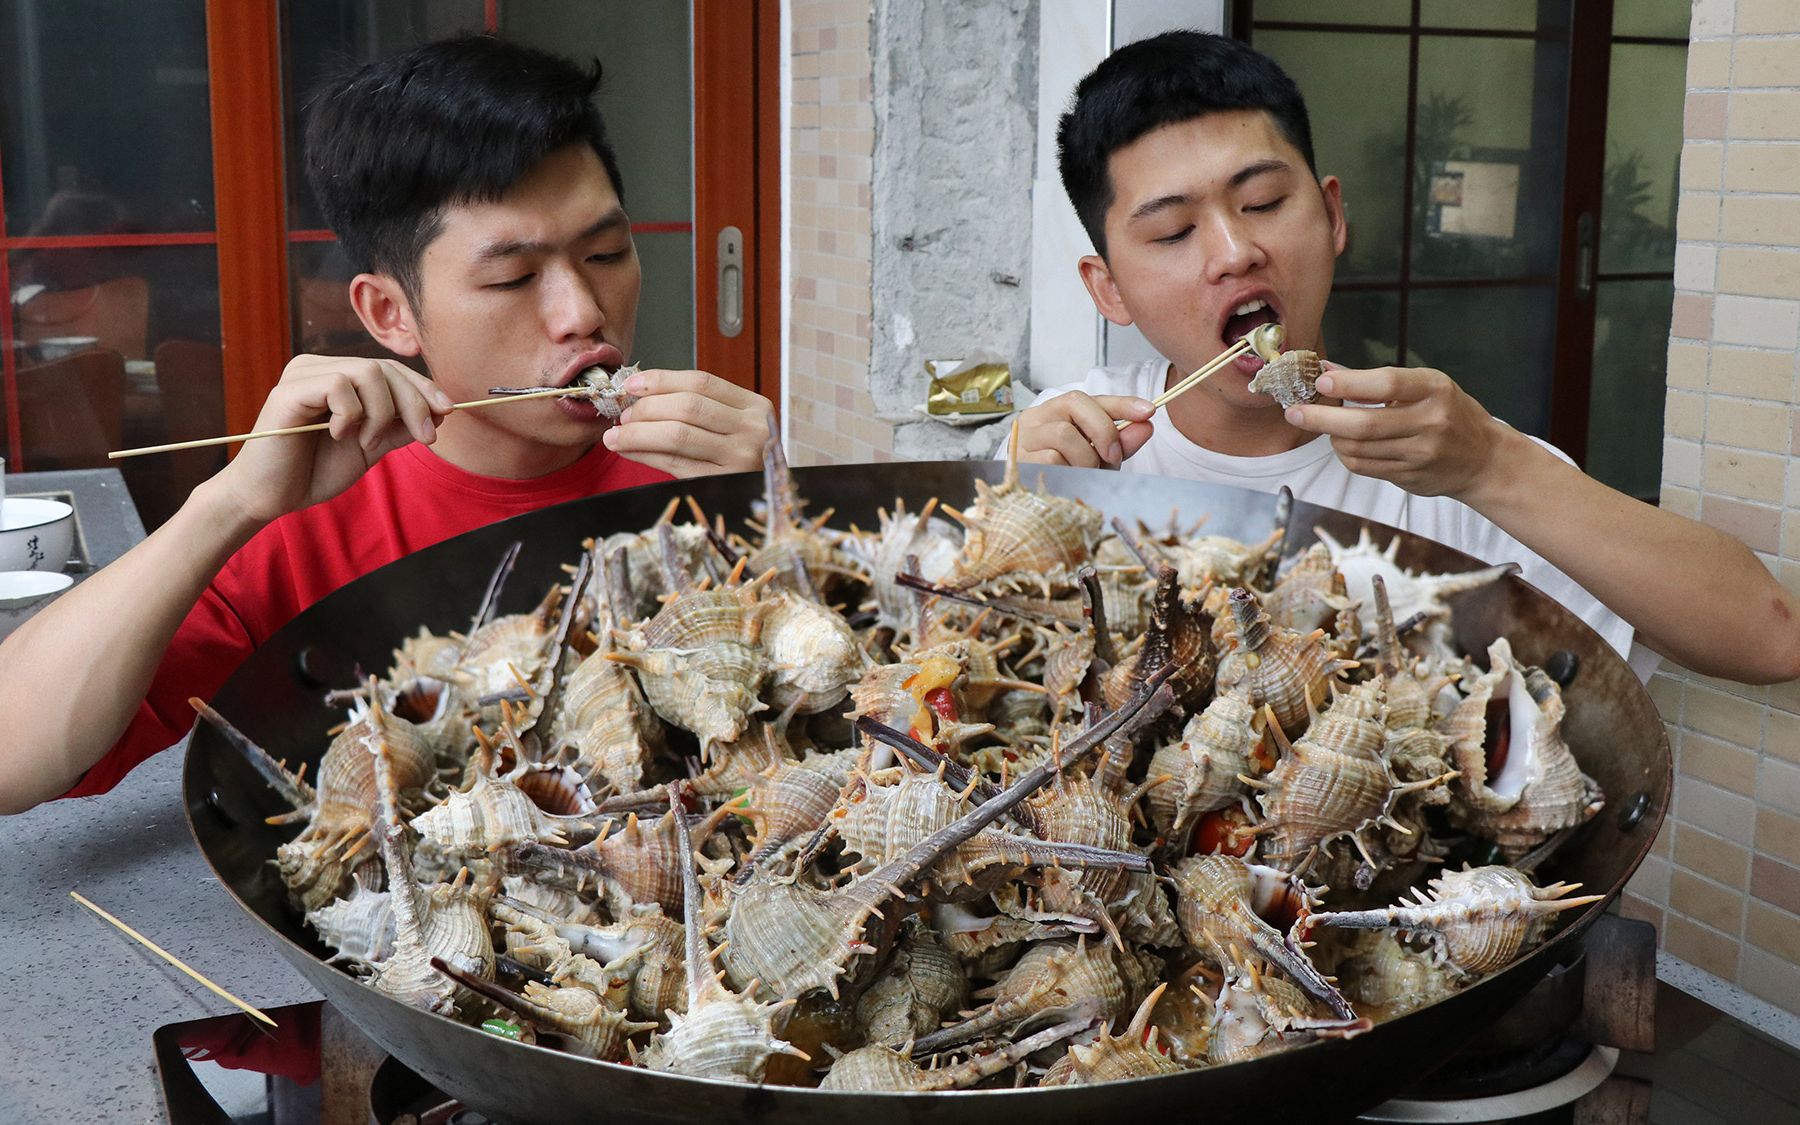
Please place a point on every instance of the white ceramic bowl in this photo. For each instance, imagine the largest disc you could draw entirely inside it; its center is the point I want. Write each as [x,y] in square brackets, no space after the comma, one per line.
[21,588]
[35,534]
[56,347]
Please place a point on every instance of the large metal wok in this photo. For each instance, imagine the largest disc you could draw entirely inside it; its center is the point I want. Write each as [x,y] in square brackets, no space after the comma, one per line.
[1612,725]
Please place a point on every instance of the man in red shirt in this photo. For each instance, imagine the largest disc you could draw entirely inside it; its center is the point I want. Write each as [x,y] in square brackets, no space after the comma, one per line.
[473,182]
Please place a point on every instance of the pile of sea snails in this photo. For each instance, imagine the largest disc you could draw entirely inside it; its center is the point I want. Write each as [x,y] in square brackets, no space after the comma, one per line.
[1001,796]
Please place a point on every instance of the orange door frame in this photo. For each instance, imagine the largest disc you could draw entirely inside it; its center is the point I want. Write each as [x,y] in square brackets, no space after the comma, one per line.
[737,183]
[243,54]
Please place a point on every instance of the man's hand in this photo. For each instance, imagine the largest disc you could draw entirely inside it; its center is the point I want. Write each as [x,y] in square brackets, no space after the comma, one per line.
[1082,430]
[374,406]
[1428,437]
[691,424]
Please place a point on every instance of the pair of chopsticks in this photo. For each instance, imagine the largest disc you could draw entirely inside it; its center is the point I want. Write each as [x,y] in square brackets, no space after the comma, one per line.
[1264,339]
[473,404]
[256,1013]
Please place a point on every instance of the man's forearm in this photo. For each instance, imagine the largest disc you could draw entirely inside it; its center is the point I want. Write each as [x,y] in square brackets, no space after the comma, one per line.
[71,677]
[1693,593]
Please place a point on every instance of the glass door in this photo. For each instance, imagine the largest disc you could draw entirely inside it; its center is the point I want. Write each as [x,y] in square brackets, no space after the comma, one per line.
[646,95]
[1633,286]
[1509,175]
[109,295]
[161,258]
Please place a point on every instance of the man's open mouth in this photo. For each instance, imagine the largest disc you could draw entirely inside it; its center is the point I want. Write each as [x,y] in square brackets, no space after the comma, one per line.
[1246,318]
[606,357]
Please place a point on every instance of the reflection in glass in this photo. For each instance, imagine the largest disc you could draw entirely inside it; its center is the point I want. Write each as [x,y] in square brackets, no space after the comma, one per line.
[319,295]
[1490,15]
[1496,342]
[1652,17]
[1489,158]
[1362,329]
[1364,145]
[1643,157]
[646,93]
[82,86]
[324,37]
[665,318]
[1395,12]
[1625,418]
[132,359]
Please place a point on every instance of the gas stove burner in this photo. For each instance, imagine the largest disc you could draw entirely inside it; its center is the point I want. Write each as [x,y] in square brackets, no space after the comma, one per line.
[397,1096]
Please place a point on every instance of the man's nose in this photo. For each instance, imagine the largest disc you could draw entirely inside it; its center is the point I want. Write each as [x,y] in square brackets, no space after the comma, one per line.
[572,306]
[1230,251]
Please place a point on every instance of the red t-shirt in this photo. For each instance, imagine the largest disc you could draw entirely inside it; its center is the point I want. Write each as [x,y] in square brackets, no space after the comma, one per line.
[408,501]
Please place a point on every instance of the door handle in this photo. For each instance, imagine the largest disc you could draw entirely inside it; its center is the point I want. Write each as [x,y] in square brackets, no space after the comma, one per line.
[1584,255]
[731,281]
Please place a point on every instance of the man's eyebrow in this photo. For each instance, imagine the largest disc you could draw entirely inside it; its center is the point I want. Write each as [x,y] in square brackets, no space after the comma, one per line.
[1243,175]
[1251,171]
[612,220]
[1150,207]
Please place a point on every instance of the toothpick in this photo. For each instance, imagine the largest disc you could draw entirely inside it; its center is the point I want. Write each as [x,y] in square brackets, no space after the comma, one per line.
[174,960]
[473,404]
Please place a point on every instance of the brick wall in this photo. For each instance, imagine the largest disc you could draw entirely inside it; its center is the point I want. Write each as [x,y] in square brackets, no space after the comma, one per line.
[831,417]
[1723,884]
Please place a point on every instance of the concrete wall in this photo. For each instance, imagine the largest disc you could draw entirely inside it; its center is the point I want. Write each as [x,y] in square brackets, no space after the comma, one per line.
[955,124]
[912,134]
[1723,884]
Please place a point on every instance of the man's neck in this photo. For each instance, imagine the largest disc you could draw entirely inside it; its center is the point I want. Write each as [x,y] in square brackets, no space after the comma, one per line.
[490,452]
[1208,419]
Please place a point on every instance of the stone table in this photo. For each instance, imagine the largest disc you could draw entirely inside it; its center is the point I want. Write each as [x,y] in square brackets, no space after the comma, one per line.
[78,999]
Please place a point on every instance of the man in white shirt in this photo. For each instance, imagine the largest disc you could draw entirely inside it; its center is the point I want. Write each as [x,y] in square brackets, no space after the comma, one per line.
[1189,160]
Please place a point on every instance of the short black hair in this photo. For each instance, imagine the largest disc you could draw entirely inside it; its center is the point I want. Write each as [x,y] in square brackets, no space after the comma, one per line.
[390,144]
[1165,80]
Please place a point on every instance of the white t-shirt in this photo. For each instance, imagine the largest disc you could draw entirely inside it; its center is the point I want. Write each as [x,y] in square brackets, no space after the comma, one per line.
[1316,476]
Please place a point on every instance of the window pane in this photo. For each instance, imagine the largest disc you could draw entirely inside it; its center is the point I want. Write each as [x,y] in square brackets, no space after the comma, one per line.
[1362,329]
[1395,12]
[1495,342]
[323,37]
[646,96]
[1643,158]
[1360,140]
[83,83]
[1625,413]
[1652,17]
[130,358]
[319,295]
[665,314]
[1487,186]
[1491,15]
[645,92]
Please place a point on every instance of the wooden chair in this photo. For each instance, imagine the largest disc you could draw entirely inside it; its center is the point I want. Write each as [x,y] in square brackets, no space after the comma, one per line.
[116,313]
[191,377]
[72,410]
[328,325]
[190,381]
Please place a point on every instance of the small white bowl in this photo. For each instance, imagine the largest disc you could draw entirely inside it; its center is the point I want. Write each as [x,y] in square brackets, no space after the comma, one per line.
[35,534]
[20,588]
[57,347]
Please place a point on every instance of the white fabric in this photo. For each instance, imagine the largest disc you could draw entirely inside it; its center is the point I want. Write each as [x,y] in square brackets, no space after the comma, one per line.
[1316,476]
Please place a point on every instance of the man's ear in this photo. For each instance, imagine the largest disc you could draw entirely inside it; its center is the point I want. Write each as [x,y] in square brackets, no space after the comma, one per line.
[1097,276]
[1333,191]
[381,305]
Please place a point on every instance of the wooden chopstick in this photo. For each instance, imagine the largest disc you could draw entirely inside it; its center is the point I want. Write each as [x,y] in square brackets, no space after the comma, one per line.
[473,404]
[174,960]
[1217,364]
